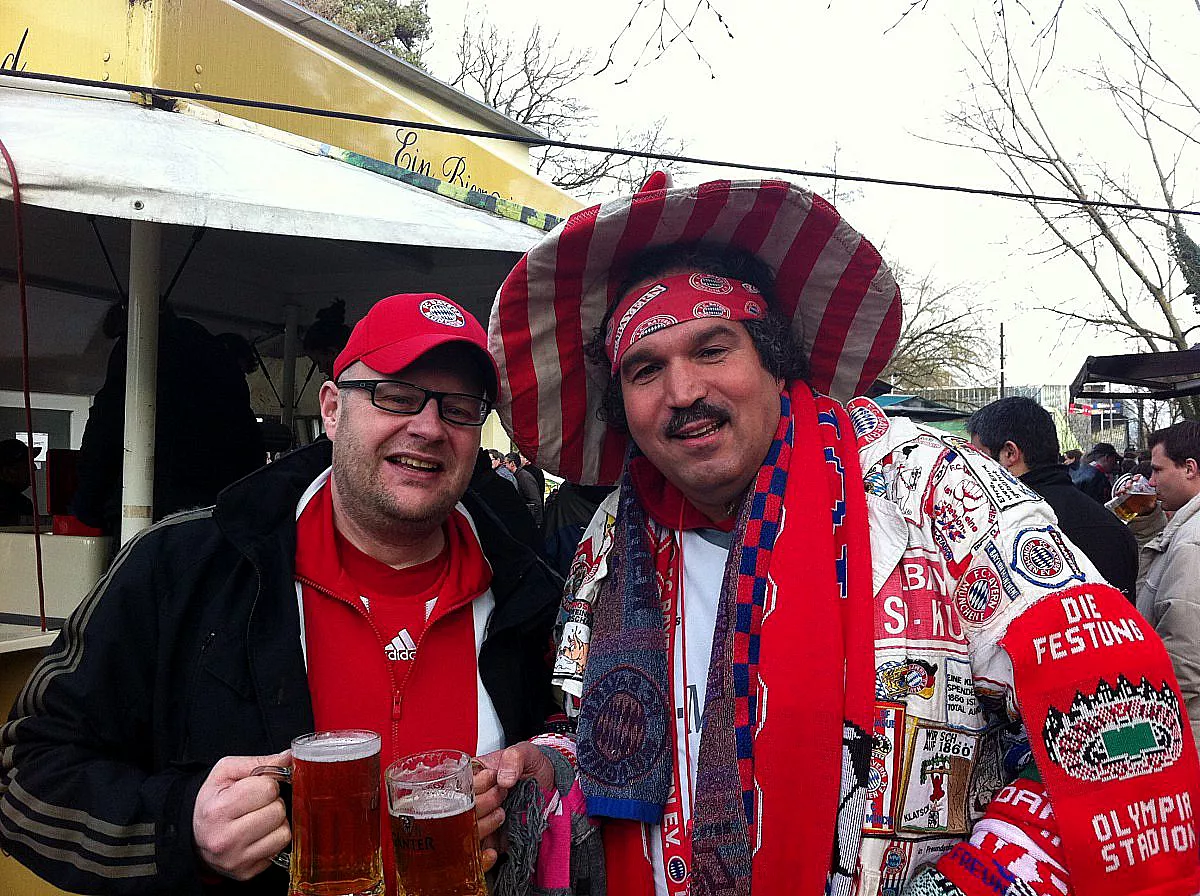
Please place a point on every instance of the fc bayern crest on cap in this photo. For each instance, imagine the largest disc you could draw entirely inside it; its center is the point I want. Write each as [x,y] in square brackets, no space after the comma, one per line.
[442,313]
[711,283]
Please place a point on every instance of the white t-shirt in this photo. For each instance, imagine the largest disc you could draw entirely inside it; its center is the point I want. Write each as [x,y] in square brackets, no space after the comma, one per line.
[705,552]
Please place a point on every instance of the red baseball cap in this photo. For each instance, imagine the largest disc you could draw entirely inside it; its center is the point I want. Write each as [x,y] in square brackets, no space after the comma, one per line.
[400,329]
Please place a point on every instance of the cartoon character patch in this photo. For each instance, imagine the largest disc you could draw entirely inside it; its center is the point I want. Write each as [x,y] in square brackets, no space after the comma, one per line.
[961,513]
[936,780]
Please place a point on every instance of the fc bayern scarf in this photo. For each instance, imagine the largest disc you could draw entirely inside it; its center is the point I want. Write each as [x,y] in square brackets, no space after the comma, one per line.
[790,672]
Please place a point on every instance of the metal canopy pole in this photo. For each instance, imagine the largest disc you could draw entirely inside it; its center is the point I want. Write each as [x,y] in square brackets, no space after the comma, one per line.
[141,368]
[291,331]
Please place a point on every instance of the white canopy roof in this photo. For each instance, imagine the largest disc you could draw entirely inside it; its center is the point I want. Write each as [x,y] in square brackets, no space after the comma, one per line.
[106,155]
[283,226]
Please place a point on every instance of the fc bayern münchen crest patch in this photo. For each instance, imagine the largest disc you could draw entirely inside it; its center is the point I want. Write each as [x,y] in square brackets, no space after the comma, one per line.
[441,312]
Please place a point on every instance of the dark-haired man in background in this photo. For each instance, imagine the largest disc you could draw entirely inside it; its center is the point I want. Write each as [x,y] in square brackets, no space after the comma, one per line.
[1094,476]
[1019,433]
[1170,593]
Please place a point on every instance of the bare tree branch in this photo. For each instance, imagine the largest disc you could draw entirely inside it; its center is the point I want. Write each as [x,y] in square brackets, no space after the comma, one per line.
[1133,258]
[533,81]
[942,341]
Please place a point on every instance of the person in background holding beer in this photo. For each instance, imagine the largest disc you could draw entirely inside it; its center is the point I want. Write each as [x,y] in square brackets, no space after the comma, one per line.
[350,584]
[1169,595]
[783,684]
[1019,433]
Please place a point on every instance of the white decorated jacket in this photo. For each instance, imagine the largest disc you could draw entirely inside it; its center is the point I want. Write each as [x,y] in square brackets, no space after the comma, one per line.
[960,548]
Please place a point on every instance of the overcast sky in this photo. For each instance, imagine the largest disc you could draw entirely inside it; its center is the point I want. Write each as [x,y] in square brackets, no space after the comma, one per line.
[799,82]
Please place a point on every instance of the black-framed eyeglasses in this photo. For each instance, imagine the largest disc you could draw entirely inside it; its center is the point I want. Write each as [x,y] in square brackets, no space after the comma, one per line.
[397,397]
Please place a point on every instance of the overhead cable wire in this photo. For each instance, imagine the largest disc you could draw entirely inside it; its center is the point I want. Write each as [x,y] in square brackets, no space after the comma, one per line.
[164,94]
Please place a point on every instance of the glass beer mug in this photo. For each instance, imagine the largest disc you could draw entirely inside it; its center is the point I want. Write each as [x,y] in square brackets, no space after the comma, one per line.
[431,801]
[1135,496]
[335,814]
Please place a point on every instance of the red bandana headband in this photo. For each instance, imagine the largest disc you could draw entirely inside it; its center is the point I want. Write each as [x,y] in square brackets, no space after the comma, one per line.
[676,300]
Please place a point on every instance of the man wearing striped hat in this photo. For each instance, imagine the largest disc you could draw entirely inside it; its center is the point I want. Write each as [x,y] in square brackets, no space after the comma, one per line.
[810,649]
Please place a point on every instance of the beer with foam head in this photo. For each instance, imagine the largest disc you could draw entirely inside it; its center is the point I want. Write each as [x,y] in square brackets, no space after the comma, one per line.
[431,799]
[335,815]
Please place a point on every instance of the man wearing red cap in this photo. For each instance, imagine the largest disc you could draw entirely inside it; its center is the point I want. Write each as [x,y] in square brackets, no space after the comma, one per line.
[810,649]
[350,584]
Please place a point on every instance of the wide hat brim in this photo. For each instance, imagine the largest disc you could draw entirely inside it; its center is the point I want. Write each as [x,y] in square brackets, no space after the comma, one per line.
[843,303]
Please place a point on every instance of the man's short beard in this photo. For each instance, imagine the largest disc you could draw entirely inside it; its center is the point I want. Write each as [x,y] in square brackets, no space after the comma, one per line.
[370,506]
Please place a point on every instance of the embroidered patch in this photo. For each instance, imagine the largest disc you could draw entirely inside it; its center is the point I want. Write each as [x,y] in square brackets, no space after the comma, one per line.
[1004,489]
[963,709]
[978,595]
[895,680]
[1010,587]
[753,308]
[869,422]
[936,779]
[875,482]
[1041,557]
[621,744]
[751,288]
[711,283]
[886,739]
[1116,732]
[441,312]
[961,513]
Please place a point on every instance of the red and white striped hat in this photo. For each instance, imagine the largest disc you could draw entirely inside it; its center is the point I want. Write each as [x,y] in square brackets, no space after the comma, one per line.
[834,286]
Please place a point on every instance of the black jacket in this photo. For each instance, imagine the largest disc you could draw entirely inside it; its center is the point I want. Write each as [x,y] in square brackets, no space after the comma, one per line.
[1092,527]
[189,650]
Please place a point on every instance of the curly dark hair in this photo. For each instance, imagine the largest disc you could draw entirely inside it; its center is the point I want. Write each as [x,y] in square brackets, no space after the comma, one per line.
[781,355]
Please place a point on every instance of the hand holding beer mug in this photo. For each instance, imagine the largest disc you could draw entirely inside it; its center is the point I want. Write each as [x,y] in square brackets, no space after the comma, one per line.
[431,798]
[1133,495]
[335,814]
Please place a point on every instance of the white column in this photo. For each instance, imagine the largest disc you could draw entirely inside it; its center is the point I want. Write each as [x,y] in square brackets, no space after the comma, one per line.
[141,366]
[291,332]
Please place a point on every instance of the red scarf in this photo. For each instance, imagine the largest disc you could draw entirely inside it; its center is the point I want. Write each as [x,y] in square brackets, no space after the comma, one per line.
[805,631]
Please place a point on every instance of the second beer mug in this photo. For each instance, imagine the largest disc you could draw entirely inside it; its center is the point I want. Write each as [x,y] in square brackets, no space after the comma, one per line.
[432,804]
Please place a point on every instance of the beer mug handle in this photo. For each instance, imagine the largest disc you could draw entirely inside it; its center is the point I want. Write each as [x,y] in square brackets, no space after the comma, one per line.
[282,774]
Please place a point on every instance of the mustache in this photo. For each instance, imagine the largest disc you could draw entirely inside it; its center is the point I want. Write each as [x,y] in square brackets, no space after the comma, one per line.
[700,410]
